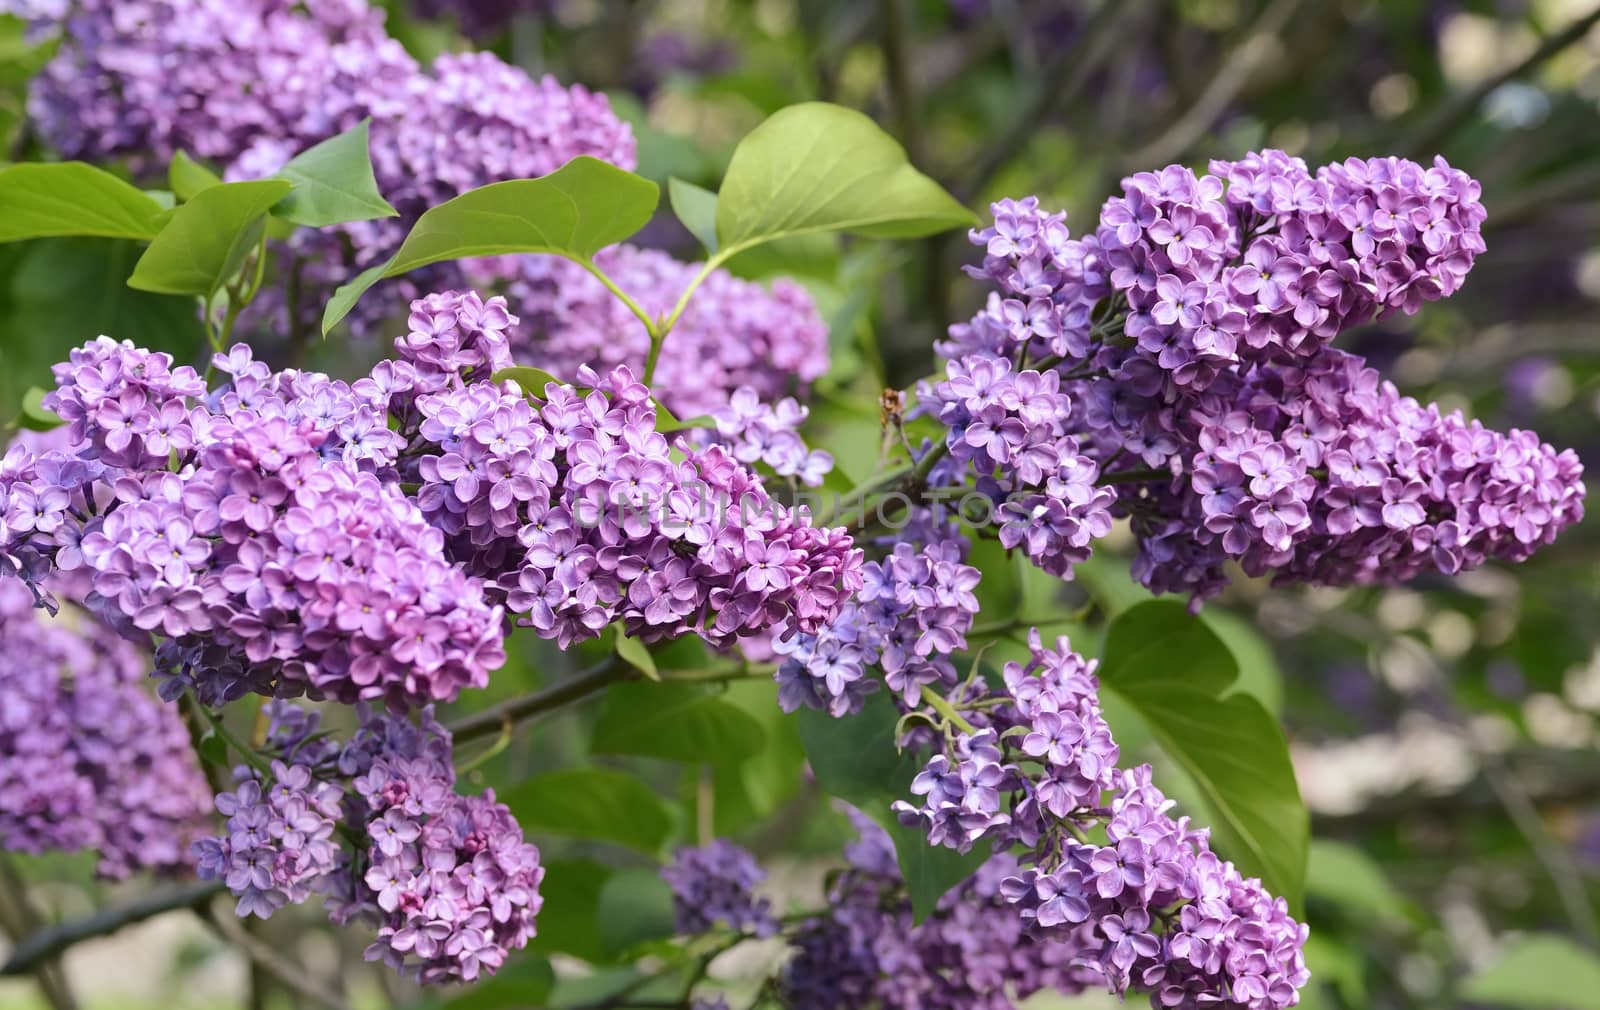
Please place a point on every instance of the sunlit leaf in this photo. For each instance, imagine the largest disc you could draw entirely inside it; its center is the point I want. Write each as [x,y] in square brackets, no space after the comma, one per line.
[575,211]
[696,209]
[72,198]
[333,183]
[207,239]
[817,167]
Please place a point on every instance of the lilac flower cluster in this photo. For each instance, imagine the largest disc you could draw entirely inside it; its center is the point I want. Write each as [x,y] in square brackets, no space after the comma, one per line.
[972,953]
[574,507]
[149,78]
[715,884]
[280,846]
[1152,909]
[757,432]
[1180,355]
[247,529]
[89,760]
[734,333]
[1011,429]
[914,609]
[268,533]
[448,879]
[251,84]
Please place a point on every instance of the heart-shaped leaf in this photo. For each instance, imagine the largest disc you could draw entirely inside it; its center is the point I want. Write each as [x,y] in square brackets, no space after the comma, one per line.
[817,167]
[206,240]
[333,183]
[575,211]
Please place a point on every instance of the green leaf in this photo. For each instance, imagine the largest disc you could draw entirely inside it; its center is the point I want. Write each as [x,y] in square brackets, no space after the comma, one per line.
[635,906]
[666,422]
[1175,672]
[751,790]
[34,416]
[817,167]
[71,198]
[575,211]
[1343,875]
[1539,971]
[214,750]
[677,722]
[523,982]
[931,870]
[1258,665]
[567,922]
[593,803]
[207,238]
[855,759]
[532,380]
[188,177]
[696,208]
[813,257]
[57,293]
[333,183]
[633,652]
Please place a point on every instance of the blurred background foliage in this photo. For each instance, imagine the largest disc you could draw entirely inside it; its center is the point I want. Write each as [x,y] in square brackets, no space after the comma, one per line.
[1444,733]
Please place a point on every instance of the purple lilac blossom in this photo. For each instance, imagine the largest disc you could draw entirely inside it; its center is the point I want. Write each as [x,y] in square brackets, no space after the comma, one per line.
[914,608]
[248,529]
[1152,909]
[89,760]
[972,953]
[266,530]
[249,85]
[715,885]
[572,506]
[447,879]
[1180,355]
[735,333]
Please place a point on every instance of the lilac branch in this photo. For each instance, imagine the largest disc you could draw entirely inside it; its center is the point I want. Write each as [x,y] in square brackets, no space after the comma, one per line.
[38,947]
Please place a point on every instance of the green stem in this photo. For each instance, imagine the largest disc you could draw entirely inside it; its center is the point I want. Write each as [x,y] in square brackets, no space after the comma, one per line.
[945,709]
[495,749]
[1135,476]
[623,296]
[660,328]
[220,728]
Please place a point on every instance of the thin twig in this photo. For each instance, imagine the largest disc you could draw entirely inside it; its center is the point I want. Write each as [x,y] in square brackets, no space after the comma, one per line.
[17,919]
[1232,74]
[292,976]
[1555,858]
[492,720]
[1571,185]
[45,943]
[1459,108]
